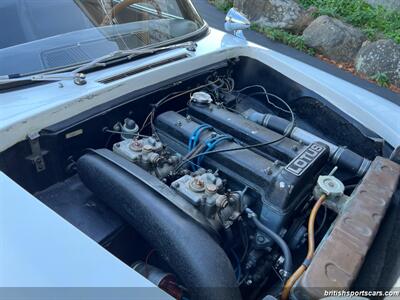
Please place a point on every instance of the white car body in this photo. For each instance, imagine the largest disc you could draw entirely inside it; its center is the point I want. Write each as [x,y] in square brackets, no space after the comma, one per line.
[28,110]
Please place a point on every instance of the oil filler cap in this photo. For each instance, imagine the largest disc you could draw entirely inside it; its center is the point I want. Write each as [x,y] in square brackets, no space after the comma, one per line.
[201,98]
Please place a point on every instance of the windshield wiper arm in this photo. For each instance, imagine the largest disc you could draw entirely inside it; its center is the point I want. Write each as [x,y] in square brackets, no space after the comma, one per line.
[78,75]
[129,54]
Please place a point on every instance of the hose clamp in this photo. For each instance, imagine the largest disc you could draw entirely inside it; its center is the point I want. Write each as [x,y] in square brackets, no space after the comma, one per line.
[364,167]
[307,262]
[337,155]
[266,120]
[250,214]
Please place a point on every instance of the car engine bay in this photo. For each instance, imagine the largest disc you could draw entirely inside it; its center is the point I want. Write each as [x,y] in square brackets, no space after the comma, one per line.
[218,186]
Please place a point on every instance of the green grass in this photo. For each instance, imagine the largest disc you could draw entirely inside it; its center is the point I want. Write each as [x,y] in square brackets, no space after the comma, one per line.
[381,79]
[223,5]
[275,34]
[280,35]
[375,22]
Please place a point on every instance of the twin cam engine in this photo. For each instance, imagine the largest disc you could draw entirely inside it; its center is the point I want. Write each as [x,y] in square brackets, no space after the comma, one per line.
[274,179]
[205,173]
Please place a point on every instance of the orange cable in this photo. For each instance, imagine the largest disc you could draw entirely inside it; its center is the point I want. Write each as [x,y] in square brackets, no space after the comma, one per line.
[310,253]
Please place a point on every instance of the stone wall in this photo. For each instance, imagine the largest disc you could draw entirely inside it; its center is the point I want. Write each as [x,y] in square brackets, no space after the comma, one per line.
[331,37]
[284,14]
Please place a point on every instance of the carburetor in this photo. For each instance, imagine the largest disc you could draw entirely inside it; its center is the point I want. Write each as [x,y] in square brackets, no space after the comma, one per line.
[205,190]
[149,154]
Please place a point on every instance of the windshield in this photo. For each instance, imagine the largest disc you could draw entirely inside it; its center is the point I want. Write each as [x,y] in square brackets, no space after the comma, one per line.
[44,35]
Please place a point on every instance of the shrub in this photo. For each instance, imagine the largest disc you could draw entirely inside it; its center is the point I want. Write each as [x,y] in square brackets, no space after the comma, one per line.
[223,5]
[374,21]
[382,79]
[280,35]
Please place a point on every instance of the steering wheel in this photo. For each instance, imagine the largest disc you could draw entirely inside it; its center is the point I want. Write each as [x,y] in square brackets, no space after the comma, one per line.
[125,3]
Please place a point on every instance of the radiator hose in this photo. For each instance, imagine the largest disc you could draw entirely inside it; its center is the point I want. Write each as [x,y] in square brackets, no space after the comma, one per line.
[193,255]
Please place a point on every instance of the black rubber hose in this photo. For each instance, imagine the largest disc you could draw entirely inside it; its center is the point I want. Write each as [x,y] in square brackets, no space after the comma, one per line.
[194,256]
[343,157]
[288,263]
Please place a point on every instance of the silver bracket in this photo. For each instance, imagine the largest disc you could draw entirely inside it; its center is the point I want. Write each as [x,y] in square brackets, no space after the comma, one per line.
[37,153]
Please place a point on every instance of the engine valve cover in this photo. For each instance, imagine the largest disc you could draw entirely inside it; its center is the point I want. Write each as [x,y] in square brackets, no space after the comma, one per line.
[281,186]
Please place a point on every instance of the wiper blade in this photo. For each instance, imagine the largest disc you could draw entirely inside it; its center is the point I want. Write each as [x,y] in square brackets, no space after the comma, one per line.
[78,75]
[129,54]
[40,77]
